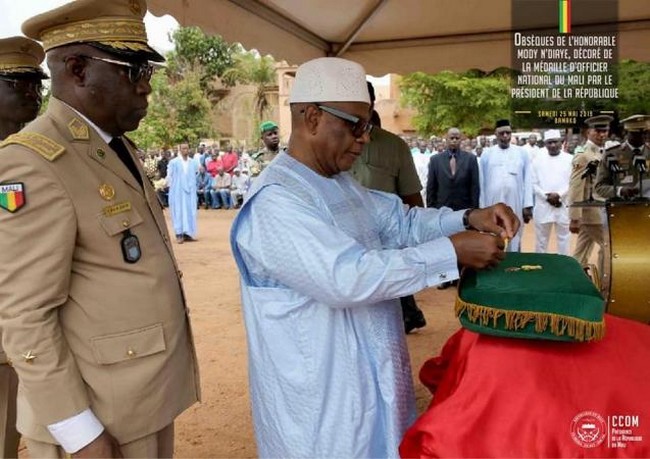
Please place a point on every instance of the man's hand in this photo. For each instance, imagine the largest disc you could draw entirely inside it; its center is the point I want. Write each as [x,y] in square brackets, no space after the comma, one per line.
[574,226]
[527,214]
[498,219]
[103,446]
[478,250]
[629,192]
[553,199]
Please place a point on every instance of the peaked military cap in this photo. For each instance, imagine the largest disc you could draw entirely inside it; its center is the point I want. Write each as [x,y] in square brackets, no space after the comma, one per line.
[21,57]
[636,123]
[114,26]
[599,121]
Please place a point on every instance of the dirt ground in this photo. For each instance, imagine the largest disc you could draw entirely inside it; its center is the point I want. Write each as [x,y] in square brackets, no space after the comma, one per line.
[221,426]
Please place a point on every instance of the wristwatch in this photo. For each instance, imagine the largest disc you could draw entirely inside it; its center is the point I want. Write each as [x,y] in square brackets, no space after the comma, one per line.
[466,223]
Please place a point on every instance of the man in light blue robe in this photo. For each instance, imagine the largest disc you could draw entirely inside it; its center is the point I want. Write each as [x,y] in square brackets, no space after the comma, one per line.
[181,178]
[323,262]
[506,176]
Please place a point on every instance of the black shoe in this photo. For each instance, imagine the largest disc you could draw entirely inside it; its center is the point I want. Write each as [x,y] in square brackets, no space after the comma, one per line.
[414,321]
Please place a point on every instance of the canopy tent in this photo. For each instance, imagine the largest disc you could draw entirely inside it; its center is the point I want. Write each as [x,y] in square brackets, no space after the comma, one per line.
[390,36]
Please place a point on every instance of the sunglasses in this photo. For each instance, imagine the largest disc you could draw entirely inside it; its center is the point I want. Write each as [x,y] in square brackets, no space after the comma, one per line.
[24,85]
[359,126]
[135,72]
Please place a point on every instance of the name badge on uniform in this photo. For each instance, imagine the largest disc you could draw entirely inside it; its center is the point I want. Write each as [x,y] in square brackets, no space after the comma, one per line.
[130,247]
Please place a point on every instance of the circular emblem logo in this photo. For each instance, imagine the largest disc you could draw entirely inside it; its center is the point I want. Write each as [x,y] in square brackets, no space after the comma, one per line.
[588,429]
[106,191]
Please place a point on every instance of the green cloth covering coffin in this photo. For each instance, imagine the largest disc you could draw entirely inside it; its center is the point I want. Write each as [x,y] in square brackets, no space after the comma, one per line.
[519,300]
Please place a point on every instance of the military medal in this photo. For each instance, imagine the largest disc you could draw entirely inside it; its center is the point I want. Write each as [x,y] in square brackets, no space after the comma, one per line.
[12,196]
[524,268]
[106,191]
[130,247]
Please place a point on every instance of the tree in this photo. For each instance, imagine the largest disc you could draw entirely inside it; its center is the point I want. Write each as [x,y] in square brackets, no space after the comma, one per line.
[195,50]
[473,100]
[178,111]
[633,88]
[259,71]
[469,101]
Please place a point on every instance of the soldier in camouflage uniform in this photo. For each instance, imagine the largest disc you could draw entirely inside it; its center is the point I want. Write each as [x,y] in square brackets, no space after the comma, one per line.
[271,139]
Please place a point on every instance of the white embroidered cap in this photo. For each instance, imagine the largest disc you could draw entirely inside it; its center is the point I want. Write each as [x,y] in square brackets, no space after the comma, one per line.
[330,79]
[552,134]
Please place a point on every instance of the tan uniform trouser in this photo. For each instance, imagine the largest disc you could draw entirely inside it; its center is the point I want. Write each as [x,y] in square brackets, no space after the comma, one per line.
[9,436]
[588,236]
[158,444]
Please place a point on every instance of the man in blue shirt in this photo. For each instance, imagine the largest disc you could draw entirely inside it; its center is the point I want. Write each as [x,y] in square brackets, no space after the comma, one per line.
[323,262]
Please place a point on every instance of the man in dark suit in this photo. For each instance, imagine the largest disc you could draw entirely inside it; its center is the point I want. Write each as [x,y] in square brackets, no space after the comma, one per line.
[453,179]
[453,176]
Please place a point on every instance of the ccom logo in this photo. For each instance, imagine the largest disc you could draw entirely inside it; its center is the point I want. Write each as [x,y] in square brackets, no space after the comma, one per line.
[588,429]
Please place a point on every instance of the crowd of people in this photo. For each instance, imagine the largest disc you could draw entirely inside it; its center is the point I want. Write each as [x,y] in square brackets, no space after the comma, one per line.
[537,169]
[93,314]
[205,177]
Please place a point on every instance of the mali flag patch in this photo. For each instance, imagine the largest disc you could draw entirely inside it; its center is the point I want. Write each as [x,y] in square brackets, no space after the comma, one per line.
[12,196]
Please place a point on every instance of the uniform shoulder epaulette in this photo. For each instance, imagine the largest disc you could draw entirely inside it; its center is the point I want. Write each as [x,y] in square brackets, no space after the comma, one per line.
[42,145]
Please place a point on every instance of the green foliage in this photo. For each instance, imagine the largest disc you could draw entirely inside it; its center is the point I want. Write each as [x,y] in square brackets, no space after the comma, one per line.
[178,111]
[250,68]
[473,100]
[633,88]
[469,101]
[195,50]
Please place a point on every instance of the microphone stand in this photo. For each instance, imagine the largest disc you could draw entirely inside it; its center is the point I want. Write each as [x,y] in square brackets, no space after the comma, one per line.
[642,168]
[588,174]
[614,169]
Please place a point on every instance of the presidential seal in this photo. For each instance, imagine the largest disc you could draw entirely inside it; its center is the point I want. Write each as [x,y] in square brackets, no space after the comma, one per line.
[588,429]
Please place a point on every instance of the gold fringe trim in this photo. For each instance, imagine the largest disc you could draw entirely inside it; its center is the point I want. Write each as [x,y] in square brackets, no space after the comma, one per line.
[559,325]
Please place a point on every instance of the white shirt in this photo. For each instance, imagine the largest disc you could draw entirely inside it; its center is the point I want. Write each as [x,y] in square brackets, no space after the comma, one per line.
[551,174]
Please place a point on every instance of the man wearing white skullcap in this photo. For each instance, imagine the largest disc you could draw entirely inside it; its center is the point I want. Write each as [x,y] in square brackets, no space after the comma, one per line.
[328,364]
[551,176]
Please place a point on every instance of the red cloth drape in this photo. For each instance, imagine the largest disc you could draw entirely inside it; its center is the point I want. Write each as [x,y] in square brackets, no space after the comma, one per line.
[500,397]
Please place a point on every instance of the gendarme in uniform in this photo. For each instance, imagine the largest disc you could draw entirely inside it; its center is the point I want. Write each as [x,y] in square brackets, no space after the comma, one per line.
[20,97]
[590,218]
[633,149]
[91,306]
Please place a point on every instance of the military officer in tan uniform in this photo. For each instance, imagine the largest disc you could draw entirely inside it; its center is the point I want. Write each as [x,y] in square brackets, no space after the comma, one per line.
[627,184]
[20,99]
[91,307]
[587,221]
